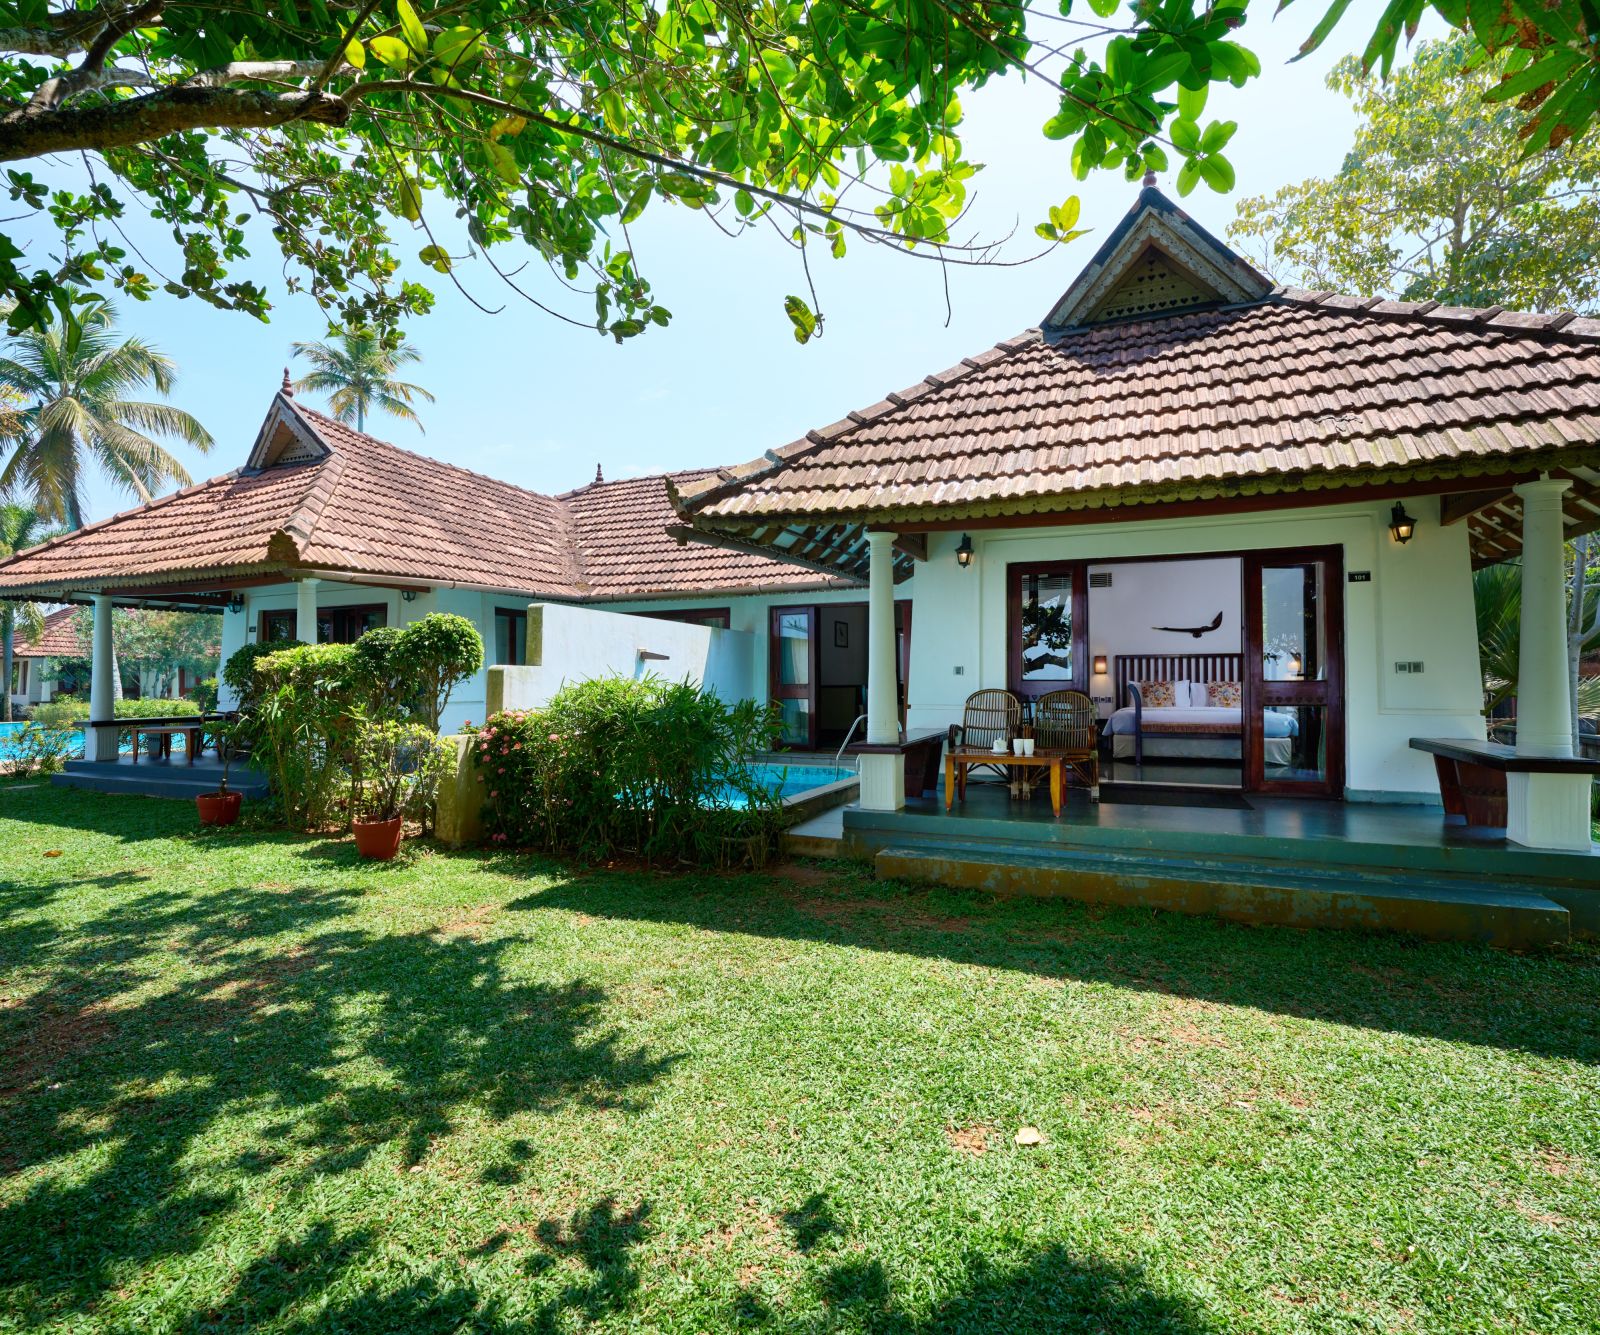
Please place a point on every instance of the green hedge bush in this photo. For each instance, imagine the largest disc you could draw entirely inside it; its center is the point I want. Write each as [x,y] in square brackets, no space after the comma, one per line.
[70,711]
[618,765]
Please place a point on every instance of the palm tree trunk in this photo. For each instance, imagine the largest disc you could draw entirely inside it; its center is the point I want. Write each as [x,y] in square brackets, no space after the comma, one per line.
[8,622]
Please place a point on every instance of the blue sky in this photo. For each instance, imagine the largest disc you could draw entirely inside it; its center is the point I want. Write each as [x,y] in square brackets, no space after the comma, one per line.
[540,403]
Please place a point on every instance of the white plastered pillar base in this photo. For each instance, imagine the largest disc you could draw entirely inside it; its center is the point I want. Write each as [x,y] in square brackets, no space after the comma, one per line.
[883,776]
[1548,811]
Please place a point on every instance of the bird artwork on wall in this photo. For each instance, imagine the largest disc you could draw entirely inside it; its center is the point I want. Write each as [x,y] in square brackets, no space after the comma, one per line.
[1196,631]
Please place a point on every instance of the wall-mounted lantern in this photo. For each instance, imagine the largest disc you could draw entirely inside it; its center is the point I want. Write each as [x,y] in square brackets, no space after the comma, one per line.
[236,603]
[408,595]
[1099,665]
[1401,524]
[964,551]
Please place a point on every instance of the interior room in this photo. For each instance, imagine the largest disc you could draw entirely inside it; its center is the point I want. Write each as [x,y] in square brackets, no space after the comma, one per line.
[1165,647]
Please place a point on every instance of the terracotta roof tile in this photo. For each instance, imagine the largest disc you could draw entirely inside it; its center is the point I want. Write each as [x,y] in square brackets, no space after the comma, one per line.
[1301,383]
[59,639]
[372,509]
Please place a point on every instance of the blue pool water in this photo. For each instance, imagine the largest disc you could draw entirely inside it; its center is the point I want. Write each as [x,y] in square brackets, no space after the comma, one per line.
[8,748]
[790,780]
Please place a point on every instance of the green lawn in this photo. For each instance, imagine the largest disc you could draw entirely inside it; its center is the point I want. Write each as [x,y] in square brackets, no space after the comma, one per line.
[247,1083]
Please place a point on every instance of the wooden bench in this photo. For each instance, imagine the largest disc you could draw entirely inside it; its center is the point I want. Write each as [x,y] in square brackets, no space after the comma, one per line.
[166,730]
[1472,774]
[921,751]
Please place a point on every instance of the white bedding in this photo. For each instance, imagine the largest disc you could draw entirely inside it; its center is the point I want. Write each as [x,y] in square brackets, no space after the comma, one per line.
[1225,720]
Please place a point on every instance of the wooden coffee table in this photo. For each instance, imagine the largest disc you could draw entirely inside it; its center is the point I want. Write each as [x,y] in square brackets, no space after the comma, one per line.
[958,762]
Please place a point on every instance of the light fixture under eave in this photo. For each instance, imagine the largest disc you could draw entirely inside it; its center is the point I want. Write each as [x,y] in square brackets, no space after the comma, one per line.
[236,603]
[408,595]
[964,551]
[1401,524]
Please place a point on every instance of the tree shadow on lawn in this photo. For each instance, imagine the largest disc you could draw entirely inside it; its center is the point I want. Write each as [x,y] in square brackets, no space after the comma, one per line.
[174,1088]
[584,1270]
[1538,1003]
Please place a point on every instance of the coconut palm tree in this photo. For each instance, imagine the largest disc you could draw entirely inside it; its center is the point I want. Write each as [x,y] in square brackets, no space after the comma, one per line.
[74,381]
[356,373]
[20,526]
[1497,595]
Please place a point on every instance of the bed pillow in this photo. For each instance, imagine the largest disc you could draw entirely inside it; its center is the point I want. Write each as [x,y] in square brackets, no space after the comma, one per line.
[1158,694]
[1223,694]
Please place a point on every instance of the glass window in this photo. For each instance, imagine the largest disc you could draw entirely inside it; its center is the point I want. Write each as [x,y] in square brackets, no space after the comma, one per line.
[1291,612]
[510,637]
[277,626]
[718,618]
[794,648]
[1047,605]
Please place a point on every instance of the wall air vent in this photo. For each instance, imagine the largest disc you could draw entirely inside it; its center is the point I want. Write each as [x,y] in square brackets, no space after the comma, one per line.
[1099,579]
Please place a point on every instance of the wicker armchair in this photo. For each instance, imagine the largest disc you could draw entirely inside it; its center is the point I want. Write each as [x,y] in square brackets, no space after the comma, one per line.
[1064,725]
[989,717]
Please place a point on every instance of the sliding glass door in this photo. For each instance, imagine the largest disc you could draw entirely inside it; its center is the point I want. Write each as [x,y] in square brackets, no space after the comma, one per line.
[792,671]
[1294,672]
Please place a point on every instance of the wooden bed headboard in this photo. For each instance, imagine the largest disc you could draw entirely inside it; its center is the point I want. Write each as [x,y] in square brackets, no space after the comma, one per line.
[1172,667]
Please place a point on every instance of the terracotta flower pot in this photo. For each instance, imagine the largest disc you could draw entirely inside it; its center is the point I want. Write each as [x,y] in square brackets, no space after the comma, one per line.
[378,839]
[218,808]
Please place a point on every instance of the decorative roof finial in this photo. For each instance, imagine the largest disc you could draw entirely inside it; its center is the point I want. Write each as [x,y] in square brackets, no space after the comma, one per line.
[598,477]
[1149,177]
[287,389]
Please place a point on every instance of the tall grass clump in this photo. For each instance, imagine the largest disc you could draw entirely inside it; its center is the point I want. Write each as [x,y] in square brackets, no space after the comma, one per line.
[646,767]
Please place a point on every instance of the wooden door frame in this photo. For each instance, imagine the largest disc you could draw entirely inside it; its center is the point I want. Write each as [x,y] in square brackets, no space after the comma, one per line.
[1258,692]
[1079,570]
[778,691]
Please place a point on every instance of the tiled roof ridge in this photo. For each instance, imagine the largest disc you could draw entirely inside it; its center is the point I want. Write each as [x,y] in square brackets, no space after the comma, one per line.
[610,483]
[144,507]
[321,419]
[1567,324]
[301,524]
[774,460]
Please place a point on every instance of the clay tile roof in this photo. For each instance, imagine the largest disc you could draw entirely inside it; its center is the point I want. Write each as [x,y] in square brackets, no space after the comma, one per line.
[319,496]
[59,639]
[1310,388]
[625,551]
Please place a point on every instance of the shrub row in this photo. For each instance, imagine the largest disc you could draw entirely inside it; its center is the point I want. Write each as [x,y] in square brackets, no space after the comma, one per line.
[647,767]
[306,708]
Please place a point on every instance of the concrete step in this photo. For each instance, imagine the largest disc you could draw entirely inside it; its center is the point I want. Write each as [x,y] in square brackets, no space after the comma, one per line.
[171,781]
[1439,908]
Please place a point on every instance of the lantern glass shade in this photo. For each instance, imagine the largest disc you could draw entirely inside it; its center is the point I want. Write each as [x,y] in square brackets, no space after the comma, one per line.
[1099,665]
[1401,524]
[964,551]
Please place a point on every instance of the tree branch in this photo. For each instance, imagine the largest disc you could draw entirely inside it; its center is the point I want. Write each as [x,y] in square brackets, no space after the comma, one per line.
[29,133]
[54,91]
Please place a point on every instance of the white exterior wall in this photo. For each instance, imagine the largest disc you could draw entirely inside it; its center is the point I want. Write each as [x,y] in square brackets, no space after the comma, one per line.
[1417,606]
[584,643]
[752,613]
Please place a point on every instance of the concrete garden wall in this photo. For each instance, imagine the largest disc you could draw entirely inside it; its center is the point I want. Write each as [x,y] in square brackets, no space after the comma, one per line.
[571,644]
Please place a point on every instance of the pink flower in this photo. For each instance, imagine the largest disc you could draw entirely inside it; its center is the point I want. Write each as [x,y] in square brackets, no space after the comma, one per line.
[494,792]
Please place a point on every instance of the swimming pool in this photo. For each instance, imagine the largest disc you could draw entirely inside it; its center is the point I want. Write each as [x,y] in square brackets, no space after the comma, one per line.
[8,745]
[789,781]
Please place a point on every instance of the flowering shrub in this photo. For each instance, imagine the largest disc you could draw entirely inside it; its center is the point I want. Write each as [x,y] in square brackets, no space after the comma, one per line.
[617,765]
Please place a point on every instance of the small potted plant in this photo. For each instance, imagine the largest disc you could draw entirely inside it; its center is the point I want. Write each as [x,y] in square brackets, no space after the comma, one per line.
[222,806]
[395,776]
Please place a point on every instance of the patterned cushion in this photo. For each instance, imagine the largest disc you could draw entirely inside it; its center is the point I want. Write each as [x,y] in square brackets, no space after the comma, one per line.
[1223,694]
[1158,694]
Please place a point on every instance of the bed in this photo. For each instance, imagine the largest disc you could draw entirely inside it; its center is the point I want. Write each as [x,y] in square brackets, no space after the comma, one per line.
[1189,728]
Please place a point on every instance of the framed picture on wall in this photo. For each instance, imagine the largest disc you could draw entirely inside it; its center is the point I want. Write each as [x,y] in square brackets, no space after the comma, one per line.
[841,634]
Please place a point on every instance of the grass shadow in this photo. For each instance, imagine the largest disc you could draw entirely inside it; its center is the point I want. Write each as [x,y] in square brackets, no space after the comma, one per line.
[1535,1003]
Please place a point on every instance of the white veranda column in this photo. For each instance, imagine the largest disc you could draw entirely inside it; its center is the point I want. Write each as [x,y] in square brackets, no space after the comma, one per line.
[883,777]
[1545,810]
[305,611]
[101,743]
